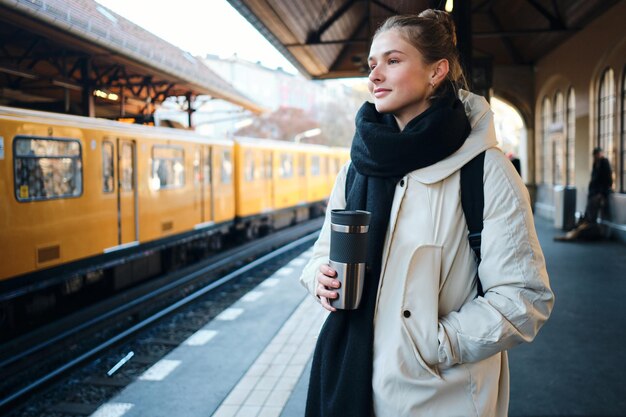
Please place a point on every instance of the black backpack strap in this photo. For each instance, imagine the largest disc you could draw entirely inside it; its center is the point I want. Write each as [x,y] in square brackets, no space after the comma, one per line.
[473,202]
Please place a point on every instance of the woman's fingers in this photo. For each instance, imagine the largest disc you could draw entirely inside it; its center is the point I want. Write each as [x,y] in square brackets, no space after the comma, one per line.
[326,284]
[326,305]
[327,277]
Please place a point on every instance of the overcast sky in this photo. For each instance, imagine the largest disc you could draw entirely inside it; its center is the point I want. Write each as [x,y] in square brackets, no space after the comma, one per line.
[201,27]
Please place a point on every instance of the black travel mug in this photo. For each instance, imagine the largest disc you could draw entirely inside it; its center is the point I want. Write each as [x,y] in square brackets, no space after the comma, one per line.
[348,250]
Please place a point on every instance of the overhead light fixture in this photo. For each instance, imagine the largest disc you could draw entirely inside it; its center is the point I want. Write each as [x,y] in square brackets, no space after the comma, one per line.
[449,6]
[105,95]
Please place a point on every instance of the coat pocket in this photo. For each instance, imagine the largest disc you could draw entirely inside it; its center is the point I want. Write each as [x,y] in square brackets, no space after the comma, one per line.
[420,301]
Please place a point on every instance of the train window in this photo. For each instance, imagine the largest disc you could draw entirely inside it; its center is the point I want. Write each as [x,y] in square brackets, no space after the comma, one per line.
[268,165]
[302,165]
[227,167]
[168,167]
[315,166]
[206,167]
[126,167]
[108,183]
[197,178]
[249,166]
[47,169]
[286,165]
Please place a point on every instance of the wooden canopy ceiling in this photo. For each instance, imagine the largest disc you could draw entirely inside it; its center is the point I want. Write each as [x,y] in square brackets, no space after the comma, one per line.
[330,38]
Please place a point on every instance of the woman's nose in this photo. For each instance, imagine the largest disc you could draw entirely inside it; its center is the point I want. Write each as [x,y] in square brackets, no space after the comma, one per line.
[375,75]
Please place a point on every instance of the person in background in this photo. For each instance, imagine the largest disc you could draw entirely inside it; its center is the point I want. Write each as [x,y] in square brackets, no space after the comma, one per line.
[600,186]
[425,341]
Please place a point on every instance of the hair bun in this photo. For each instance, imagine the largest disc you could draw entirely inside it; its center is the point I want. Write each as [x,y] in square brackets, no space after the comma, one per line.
[443,18]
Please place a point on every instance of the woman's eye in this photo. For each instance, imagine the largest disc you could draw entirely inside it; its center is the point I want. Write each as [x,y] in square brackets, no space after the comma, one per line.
[393,61]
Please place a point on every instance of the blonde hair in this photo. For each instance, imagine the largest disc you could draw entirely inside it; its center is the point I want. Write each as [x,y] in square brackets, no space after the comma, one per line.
[433,33]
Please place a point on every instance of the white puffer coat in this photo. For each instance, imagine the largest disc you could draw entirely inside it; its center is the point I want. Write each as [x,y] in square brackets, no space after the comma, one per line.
[438,349]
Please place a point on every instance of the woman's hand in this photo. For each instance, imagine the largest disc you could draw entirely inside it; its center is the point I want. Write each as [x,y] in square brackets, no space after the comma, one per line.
[325,284]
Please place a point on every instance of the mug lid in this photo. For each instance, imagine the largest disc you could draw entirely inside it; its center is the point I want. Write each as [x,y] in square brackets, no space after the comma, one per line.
[350,217]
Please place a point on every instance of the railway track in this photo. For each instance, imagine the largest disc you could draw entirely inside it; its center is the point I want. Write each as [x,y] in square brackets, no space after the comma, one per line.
[36,362]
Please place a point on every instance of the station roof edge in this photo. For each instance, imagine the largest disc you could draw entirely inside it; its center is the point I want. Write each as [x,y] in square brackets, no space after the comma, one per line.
[184,68]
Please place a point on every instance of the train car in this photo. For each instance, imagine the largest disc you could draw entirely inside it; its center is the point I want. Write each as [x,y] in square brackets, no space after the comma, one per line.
[92,203]
[340,157]
[277,183]
[253,185]
[75,187]
[317,188]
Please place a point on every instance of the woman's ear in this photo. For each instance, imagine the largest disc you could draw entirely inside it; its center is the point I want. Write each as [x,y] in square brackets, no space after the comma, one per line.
[439,72]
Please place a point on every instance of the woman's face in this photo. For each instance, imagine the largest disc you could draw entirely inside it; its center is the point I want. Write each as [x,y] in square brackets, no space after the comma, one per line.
[399,81]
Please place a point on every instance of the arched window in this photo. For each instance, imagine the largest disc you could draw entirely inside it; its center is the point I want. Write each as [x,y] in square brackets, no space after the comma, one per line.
[622,186]
[606,115]
[571,137]
[558,139]
[545,150]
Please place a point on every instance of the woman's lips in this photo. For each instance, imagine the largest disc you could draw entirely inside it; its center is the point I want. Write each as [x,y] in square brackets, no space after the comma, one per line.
[381,92]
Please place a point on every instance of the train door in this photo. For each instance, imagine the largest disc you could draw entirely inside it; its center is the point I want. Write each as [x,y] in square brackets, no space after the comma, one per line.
[198,186]
[208,213]
[127,203]
[303,184]
[268,165]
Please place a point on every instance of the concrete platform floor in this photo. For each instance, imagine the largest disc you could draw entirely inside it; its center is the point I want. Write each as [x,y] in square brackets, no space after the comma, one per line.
[576,366]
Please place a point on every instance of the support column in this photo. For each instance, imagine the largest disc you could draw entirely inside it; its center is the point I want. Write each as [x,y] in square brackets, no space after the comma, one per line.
[122,102]
[190,110]
[88,104]
[482,76]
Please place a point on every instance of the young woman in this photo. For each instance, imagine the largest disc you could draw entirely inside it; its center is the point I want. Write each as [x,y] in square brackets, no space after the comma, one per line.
[423,342]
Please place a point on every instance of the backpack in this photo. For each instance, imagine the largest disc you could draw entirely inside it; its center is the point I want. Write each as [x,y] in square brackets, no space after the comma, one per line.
[472,201]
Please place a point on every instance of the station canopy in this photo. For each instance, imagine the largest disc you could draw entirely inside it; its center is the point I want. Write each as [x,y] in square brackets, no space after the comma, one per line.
[331,38]
[78,57]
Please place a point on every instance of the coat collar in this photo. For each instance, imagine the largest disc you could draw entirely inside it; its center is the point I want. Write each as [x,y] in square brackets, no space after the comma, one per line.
[482,137]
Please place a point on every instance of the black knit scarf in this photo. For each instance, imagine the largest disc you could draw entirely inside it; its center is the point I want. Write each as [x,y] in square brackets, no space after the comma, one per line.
[341,376]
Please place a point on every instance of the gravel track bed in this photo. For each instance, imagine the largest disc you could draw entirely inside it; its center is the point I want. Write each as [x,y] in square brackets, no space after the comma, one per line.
[148,346]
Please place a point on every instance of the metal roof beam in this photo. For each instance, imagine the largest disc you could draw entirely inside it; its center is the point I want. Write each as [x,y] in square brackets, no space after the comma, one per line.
[384,6]
[511,33]
[511,49]
[555,22]
[19,72]
[316,36]
[363,23]
[64,83]
[334,42]
[29,50]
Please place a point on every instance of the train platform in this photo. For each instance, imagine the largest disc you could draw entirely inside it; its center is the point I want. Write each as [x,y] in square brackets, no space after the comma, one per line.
[253,360]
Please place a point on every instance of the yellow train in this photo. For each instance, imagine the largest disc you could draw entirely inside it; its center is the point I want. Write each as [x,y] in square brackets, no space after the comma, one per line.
[75,190]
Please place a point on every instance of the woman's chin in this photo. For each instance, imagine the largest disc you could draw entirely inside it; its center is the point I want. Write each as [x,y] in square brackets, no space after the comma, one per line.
[382,108]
